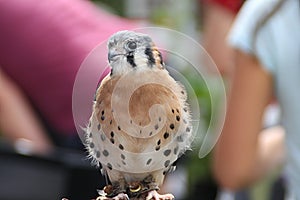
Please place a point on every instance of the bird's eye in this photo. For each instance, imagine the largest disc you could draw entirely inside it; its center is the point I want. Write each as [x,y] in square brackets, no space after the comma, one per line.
[131,45]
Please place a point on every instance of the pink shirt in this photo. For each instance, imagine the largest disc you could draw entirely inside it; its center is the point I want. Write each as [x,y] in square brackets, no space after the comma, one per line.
[43,43]
[232,5]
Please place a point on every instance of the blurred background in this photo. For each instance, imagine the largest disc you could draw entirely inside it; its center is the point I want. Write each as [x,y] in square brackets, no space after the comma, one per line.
[56,166]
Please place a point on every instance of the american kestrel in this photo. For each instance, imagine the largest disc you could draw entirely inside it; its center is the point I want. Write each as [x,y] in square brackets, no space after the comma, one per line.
[140,124]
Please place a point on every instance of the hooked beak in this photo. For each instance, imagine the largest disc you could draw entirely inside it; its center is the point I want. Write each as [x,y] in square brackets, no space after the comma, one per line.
[112,55]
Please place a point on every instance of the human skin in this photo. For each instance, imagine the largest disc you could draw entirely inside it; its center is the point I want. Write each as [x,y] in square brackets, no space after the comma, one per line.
[18,121]
[216,24]
[243,154]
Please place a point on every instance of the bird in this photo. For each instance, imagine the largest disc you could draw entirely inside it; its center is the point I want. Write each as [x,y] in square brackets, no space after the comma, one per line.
[140,122]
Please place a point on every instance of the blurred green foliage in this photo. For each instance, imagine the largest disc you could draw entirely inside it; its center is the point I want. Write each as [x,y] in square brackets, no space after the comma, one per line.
[116,7]
[199,170]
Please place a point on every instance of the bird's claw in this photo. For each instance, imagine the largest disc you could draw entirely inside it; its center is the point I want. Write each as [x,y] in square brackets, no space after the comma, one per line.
[120,196]
[153,195]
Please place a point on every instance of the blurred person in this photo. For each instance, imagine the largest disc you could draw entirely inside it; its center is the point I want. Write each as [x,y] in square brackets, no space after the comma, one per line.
[217,20]
[42,46]
[16,114]
[267,48]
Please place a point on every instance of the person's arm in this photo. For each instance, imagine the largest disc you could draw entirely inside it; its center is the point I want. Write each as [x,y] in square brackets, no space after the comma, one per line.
[216,24]
[242,155]
[17,119]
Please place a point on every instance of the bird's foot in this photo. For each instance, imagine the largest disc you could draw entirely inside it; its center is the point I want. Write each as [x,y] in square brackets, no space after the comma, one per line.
[111,192]
[153,195]
[120,196]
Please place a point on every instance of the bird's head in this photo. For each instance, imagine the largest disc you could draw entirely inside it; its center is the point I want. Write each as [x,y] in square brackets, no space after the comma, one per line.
[128,50]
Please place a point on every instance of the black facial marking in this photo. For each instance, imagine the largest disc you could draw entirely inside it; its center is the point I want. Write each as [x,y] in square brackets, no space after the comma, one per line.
[178,118]
[148,52]
[102,117]
[130,60]
[119,128]
[121,146]
[157,148]
[99,126]
[110,122]
[188,129]
[156,126]
[161,59]
[112,134]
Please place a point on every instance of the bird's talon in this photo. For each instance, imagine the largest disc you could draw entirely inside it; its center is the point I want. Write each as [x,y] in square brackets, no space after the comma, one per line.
[108,189]
[102,193]
[102,198]
[120,196]
[153,195]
